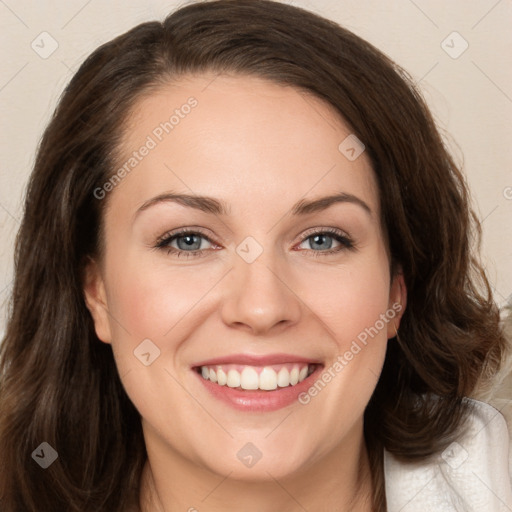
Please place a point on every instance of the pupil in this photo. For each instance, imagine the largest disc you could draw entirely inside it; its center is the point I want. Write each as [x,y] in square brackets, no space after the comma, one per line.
[321,239]
[188,241]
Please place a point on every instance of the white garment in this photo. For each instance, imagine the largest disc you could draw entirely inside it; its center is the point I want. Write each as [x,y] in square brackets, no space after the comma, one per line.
[472,475]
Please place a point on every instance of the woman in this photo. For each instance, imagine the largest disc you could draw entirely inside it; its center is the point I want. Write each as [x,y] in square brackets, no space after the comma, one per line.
[244,282]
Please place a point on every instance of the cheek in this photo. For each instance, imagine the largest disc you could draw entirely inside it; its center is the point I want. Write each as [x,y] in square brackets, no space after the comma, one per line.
[350,299]
[152,300]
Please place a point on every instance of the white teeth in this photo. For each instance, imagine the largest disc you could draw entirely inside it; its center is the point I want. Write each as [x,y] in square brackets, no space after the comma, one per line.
[267,379]
[222,378]
[249,378]
[294,376]
[233,379]
[283,377]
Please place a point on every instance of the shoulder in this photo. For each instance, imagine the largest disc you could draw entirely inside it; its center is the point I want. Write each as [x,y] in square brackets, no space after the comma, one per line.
[470,475]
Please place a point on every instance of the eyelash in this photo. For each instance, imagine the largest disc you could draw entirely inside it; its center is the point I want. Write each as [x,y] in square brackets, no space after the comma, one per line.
[339,236]
[164,241]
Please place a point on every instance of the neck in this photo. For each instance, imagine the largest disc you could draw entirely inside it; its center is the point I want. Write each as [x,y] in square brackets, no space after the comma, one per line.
[341,481]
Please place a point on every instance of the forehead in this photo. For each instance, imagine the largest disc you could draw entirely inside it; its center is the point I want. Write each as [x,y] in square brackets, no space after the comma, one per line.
[241,138]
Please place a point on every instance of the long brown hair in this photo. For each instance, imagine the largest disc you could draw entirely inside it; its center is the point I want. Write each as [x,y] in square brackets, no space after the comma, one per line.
[58,382]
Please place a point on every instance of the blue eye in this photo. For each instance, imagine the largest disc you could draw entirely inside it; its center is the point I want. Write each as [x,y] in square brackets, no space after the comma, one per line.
[188,243]
[321,242]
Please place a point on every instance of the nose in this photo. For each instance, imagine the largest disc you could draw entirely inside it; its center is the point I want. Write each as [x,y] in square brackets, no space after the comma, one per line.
[259,296]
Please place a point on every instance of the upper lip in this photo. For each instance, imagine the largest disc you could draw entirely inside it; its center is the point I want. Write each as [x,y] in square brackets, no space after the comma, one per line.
[257,360]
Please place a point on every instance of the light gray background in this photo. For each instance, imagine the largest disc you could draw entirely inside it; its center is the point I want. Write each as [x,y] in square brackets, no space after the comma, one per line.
[471,95]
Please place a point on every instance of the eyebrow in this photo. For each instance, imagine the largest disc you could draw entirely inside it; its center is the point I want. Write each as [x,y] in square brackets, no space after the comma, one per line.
[304,207]
[203,203]
[217,207]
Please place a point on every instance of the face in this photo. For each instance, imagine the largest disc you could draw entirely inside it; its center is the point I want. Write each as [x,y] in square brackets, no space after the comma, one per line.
[242,305]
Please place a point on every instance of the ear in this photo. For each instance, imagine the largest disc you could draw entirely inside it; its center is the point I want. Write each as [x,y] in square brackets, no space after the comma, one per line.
[397,303]
[96,300]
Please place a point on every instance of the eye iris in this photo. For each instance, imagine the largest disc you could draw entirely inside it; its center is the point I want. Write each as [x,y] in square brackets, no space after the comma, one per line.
[320,239]
[189,241]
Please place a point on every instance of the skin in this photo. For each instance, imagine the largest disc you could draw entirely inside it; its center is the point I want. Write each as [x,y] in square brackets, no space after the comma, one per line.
[260,148]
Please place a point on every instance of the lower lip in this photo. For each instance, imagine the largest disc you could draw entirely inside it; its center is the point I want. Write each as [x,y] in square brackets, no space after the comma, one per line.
[259,401]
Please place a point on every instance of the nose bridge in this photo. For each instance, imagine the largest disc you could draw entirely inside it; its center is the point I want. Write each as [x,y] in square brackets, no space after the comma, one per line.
[258,295]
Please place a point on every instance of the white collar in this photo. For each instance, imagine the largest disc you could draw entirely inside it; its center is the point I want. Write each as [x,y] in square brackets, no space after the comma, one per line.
[471,475]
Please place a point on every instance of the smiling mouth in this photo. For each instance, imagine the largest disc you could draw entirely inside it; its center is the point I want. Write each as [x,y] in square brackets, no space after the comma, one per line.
[257,378]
